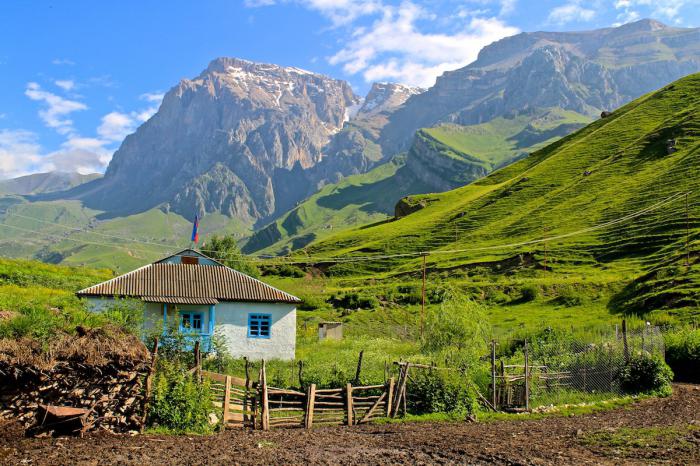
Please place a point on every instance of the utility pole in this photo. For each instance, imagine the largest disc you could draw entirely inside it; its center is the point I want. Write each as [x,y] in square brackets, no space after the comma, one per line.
[687,233]
[422,309]
[545,250]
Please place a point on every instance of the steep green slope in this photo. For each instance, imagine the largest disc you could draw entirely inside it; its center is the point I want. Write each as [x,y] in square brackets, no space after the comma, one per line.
[501,140]
[441,158]
[356,200]
[612,168]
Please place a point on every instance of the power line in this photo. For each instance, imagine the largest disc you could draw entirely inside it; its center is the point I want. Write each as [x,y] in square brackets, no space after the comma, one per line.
[350,259]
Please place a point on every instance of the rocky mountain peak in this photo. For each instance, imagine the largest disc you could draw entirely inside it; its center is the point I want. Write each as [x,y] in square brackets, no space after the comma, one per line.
[387,96]
[222,141]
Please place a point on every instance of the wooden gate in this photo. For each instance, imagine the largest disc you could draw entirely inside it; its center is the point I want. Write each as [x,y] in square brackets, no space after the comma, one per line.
[236,397]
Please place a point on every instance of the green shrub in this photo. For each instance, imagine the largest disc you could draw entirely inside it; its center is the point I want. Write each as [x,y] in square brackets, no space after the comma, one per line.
[495,296]
[569,296]
[354,301]
[439,392]
[180,403]
[529,293]
[647,373]
[683,354]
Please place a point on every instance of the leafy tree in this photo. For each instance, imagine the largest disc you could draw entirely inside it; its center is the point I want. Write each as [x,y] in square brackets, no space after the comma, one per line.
[458,329]
[225,249]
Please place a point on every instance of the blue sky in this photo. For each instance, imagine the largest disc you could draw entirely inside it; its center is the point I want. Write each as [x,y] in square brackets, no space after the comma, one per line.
[77,76]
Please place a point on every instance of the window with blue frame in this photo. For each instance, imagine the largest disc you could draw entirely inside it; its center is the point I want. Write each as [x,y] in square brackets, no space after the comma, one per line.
[191,322]
[259,325]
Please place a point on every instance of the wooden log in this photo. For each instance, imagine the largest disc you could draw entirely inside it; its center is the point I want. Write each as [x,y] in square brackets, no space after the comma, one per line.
[369,387]
[330,390]
[282,391]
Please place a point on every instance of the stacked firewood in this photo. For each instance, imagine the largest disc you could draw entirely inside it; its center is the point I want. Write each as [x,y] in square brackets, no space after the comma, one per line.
[111,393]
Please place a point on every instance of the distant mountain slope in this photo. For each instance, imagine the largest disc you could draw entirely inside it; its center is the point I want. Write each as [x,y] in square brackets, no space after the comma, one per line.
[586,72]
[39,183]
[613,167]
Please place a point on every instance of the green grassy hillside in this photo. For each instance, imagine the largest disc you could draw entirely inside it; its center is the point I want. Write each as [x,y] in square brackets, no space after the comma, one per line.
[612,168]
[67,232]
[504,139]
[371,197]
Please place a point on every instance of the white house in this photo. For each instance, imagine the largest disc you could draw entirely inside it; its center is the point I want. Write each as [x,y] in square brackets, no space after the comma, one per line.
[200,296]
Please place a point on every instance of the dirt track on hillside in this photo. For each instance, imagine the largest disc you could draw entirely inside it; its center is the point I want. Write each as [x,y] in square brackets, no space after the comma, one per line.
[553,440]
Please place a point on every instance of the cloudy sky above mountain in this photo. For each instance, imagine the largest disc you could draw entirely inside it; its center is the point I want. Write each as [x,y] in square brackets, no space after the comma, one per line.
[77,77]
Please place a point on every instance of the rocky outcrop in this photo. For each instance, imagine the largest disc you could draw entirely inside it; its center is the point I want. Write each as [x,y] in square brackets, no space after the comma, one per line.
[442,167]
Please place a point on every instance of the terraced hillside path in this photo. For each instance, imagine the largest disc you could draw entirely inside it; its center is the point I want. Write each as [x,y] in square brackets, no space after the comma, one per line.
[652,431]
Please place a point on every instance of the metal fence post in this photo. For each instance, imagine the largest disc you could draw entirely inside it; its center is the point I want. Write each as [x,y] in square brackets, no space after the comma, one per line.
[527,378]
[493,374]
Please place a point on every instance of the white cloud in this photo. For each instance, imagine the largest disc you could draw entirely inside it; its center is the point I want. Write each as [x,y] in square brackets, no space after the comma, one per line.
[393,42]
[570,12]
[116,126]
[393,48]
[154,98]
[57,108]
[65,84]
[62,61]
[20,154]
[665,9]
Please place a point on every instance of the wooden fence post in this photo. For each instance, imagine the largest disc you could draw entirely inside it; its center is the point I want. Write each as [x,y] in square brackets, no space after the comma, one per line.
[348,402]
[265,401]
[527,378]
[301,373]
[493,374]
[227,401]
[359,368]
[390,396]
[310,402]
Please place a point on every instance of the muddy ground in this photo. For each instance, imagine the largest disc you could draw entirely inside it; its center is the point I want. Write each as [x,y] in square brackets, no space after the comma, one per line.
[652,431]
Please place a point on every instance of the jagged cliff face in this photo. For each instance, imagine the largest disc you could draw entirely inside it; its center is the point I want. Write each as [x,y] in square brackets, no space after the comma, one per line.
[586,72]
[219,141]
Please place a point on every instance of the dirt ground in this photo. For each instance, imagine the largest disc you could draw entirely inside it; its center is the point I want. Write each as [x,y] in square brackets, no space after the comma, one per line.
[652,431]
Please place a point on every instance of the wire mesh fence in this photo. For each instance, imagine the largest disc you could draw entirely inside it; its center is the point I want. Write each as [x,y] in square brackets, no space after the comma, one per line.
[555,368]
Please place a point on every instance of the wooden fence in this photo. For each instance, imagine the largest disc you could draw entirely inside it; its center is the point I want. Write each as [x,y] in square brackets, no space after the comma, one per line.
[256,405]
[236,397]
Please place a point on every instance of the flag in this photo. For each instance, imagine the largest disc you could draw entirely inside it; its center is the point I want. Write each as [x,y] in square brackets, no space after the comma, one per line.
[195,233]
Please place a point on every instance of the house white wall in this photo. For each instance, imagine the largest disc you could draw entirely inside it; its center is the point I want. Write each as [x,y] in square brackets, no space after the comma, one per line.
[231,322]
[232,325]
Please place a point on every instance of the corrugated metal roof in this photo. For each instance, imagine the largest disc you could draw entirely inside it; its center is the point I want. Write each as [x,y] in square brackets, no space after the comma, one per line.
[189,281]
[179,300]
